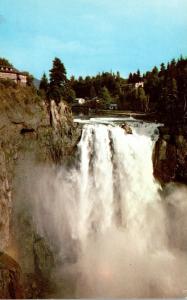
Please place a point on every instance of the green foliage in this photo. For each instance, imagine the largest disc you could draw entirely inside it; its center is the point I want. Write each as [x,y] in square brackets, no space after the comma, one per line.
[92,87]
[92,92]
[44,83]
[143,99]
[5,62]
[59,86]
[167,90]
[164,89]
[68,94]
[12,96]
[164,92]
[105,96]
[58,73]
[134,77]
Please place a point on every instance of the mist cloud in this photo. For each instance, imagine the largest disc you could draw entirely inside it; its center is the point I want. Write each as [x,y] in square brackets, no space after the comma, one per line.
[114,231]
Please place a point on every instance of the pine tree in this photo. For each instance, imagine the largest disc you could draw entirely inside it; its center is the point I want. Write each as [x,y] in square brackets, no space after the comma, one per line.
[58,80]
[105,95]
[130,79]
[92,92]
[171,100]
[58,73]
[138,76]
[44,83]
[143,99]
[162,70]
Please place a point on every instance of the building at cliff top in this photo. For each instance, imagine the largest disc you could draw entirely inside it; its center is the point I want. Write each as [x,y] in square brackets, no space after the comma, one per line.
[12,74]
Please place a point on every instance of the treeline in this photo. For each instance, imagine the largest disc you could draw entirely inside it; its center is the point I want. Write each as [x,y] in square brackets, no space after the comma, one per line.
[107,86]
[166,89]
[162,90]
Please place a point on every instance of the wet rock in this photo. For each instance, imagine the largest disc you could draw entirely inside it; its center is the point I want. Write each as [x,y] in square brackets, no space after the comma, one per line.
[32,132]
[170,156]
[126,128]
[44,260]
[36,287]
[11,285]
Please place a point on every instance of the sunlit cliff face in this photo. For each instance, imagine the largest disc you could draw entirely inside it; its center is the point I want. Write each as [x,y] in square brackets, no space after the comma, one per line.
[107,222]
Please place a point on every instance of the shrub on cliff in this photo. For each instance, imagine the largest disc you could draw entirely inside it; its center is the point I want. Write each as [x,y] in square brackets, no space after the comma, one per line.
[11,94]
[4,62]
[6,83]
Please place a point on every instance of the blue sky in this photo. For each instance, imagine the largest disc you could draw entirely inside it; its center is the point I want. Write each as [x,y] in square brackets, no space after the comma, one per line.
[92,36]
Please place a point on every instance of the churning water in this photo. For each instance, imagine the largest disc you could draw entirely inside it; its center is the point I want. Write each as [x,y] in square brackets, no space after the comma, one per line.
[106,220]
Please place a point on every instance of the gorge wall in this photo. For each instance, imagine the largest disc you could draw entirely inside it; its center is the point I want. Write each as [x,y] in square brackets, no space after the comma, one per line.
[31,133]
[170,155]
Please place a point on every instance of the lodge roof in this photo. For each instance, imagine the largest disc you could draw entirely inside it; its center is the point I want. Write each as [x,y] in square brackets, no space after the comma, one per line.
[6,69]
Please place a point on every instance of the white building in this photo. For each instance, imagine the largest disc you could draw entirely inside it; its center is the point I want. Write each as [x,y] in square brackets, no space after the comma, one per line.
[80,100]
[138,84]
[113,106]
[13,74]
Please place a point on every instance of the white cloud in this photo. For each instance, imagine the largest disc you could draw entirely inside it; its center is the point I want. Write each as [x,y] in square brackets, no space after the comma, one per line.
[79,48]
[51,43]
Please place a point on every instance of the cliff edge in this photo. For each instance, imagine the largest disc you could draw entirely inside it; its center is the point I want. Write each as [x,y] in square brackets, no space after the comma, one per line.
[32,132]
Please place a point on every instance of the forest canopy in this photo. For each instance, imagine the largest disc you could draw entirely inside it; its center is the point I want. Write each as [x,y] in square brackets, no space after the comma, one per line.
[162,90]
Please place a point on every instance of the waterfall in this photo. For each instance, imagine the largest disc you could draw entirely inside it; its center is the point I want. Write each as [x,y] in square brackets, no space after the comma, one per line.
[115,179]
[107,212]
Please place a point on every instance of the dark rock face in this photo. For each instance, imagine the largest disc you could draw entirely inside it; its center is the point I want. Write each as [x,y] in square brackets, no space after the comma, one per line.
[126,128]
[31,133]
[170,155]
[11,285]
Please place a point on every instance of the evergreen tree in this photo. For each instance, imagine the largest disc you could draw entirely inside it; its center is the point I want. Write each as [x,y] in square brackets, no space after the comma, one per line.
[130,79]
[164,91]
[172,98]
[92,92]
[138,77]
[118,75]
[69,94]
[44,83]
[58,73]
[58,80]
[144,99]
[162,70]
[105,95]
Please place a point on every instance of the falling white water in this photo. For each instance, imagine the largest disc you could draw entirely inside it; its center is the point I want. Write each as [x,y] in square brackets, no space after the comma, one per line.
[108,212]
[115,179]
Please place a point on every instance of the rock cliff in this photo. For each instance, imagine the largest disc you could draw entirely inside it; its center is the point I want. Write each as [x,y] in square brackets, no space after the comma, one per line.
[32,132]
[170,155]
[11,284]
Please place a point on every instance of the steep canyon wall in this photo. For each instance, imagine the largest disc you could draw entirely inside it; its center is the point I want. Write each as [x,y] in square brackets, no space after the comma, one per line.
[31,133]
